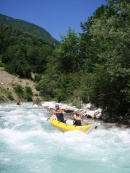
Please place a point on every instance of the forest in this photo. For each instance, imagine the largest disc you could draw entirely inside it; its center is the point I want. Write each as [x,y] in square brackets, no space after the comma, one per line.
[92,66]
[28,27]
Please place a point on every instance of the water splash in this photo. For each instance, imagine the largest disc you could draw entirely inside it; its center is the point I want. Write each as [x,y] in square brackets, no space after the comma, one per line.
[29,144]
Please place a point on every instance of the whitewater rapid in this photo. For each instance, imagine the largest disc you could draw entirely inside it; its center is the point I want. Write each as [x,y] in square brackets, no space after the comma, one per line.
[30,144]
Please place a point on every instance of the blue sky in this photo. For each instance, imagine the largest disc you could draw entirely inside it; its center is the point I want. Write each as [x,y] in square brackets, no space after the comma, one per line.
[55,16]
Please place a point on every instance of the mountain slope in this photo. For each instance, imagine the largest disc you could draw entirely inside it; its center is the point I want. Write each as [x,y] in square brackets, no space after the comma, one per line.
[28,27]
[7,81]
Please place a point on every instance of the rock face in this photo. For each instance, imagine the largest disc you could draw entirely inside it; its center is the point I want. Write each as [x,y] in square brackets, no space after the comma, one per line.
[88,110]
[6,85]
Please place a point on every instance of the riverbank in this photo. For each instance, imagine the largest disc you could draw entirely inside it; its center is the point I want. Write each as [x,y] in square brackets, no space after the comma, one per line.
[90,112]
[7,83]
[87,110]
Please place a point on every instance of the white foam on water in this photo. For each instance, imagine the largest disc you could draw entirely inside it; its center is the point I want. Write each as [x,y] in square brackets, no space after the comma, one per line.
[34,145]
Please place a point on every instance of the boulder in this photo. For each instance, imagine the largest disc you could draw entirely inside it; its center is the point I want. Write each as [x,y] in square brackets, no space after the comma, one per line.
[88,110]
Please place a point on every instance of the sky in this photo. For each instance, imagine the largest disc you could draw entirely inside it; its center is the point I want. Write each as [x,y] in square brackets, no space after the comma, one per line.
[55,16]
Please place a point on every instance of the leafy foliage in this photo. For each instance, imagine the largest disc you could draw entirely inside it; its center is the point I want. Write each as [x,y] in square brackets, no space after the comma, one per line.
[110,87]
[23,93]
[18,90]
[93,66]
[22,53]
[5,92]
[27,93]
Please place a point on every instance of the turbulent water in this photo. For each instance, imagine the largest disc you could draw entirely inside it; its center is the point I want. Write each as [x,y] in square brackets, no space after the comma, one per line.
[30,144]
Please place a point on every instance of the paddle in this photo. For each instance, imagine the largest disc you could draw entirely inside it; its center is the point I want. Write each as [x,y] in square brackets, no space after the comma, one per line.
[46,120]
[84,122]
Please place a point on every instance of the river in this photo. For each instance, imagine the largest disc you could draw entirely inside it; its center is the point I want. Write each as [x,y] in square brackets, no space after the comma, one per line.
[30,144]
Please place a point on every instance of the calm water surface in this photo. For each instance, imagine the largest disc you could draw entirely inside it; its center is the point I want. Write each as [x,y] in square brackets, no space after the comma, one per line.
[30,144]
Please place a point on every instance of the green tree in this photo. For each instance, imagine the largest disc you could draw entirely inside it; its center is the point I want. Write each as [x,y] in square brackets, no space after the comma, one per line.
[27,93]
[68,53]
[112,76]
[18,90]
[59,78]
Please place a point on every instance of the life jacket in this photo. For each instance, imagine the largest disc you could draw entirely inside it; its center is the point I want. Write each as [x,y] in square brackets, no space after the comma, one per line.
[59,114]
[77,122]
[77,115]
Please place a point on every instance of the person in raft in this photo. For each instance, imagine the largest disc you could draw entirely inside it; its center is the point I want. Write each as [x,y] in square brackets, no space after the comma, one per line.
[59,113]
[77,118]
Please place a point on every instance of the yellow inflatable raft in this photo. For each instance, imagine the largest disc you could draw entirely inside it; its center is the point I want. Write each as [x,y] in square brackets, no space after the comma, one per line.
[66,127]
